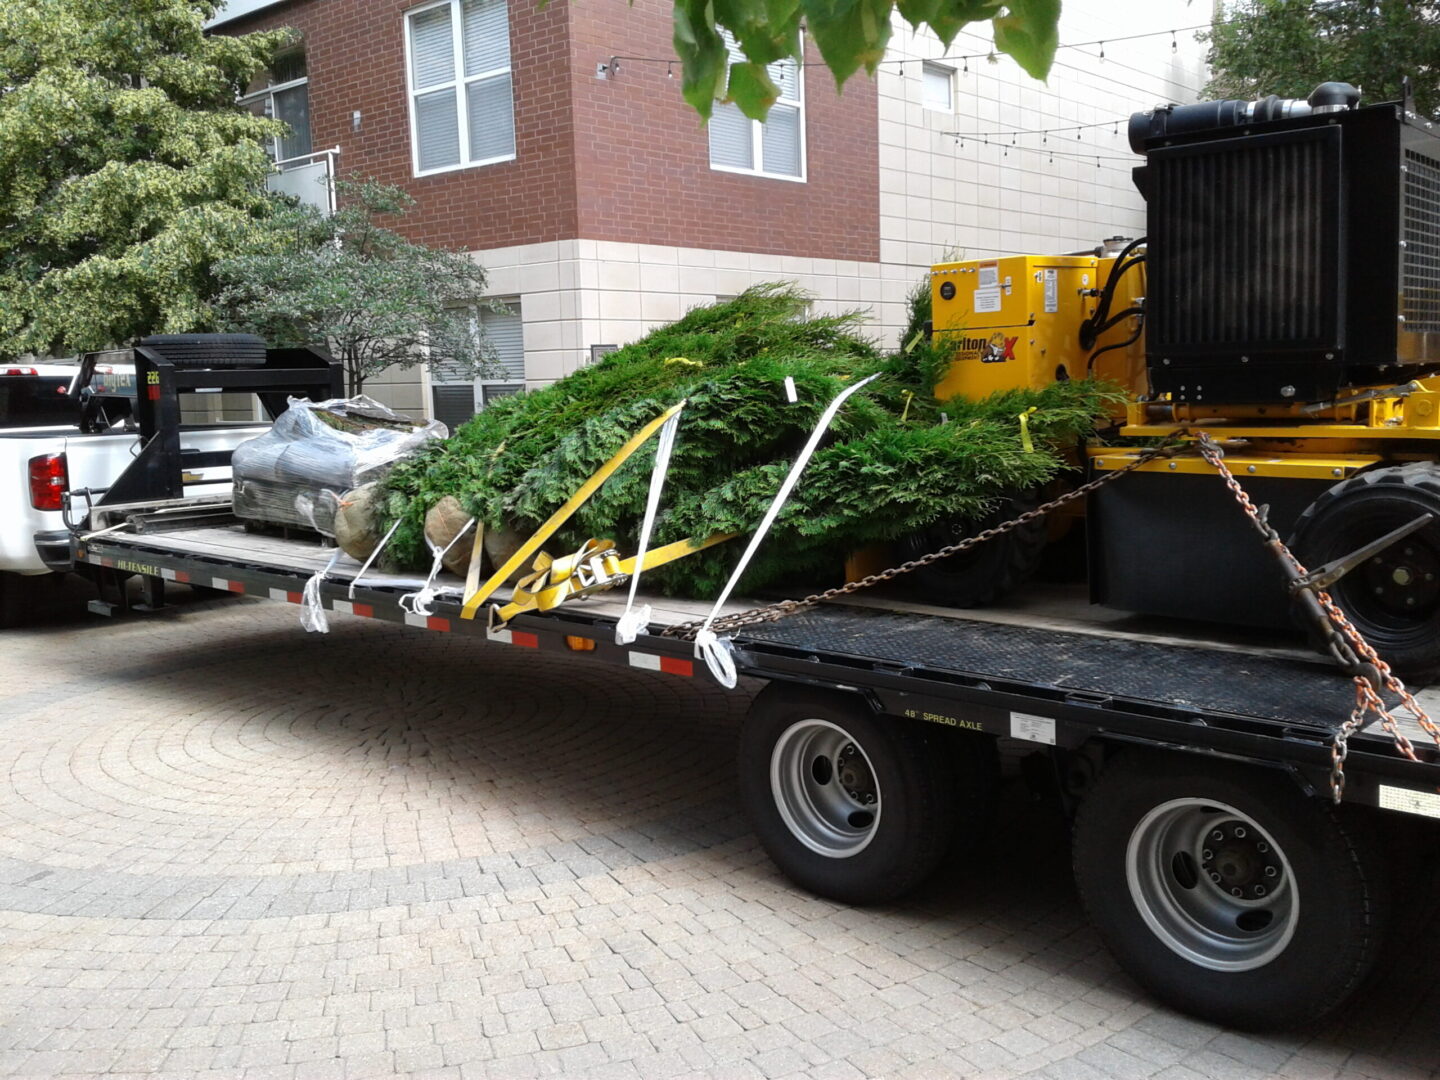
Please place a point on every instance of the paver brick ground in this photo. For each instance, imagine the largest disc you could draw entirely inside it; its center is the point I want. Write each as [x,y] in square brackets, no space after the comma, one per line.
[232,849]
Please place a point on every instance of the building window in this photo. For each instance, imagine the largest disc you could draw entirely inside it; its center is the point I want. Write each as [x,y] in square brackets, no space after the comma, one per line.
[456,397]
[775,147]
[939,87]
[283,93]
[462,111]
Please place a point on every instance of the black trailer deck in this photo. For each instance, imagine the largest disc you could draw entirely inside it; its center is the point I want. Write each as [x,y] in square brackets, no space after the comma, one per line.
[1047,684]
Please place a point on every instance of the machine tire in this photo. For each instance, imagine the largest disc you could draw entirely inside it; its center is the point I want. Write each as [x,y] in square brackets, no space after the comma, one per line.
[17,592]
[1358,510]
[797,746]
[1310,941]
[208,350]
[984,574]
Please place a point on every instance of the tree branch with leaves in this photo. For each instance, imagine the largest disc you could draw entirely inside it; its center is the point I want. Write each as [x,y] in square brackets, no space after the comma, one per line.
[374,298]
[1288,47]
[851,35]
[126,168]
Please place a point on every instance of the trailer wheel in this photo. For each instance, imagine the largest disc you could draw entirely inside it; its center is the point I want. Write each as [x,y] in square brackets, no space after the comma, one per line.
[983,574]
[208,350]
[850,805]
[1225,891]
[1394,598]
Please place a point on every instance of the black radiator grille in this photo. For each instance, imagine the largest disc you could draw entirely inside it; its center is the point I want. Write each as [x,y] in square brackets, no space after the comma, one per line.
[1420,263]
[1246,252]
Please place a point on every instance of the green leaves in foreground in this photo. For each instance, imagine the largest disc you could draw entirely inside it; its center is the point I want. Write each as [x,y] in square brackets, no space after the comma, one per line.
[850,34]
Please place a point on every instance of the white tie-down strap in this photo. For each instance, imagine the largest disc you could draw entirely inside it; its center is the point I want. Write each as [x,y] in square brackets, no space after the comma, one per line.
[634,619]
[312,608]
[418,603]
[372,557]
[715,651]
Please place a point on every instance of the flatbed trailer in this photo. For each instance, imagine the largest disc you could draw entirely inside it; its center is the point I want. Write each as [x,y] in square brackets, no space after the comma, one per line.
[1209,849]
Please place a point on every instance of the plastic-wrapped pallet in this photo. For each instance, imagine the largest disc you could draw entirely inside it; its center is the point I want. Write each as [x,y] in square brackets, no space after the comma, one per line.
[297,471]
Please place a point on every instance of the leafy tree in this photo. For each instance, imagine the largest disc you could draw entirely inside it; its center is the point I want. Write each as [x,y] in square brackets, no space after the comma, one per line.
[126,167]
[850,34]
[1288,47]
[374,298]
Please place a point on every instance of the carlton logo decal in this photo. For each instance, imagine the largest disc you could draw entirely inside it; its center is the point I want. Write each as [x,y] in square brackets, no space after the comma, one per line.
[995,349]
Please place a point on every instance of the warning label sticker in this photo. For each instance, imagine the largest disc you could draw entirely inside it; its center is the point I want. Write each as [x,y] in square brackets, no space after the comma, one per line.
[989,275]
[1032,728]
[1052,292]
[987,300]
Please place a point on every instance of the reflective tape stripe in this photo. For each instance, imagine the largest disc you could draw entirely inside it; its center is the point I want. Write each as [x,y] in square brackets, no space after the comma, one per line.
[427,622]
[671,665]
[287,597]
[365,611]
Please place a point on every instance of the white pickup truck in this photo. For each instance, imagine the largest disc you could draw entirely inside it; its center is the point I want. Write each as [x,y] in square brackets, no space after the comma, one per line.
[58,436]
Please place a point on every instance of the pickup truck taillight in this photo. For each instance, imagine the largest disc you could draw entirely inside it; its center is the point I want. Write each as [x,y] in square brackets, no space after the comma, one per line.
[49,480]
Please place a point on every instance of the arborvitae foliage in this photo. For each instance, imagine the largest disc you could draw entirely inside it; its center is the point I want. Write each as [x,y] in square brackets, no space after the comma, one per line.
[892,462]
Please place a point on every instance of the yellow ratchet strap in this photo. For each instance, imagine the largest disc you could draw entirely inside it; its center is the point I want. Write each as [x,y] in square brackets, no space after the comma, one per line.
[528,549]
[594,568]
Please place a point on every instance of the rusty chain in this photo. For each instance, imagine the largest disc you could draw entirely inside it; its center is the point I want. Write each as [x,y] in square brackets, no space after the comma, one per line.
[771,612]
[1368,702]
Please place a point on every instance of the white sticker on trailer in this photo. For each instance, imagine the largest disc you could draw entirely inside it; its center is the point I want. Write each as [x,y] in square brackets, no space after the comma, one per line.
[1039,729]
[1424,803]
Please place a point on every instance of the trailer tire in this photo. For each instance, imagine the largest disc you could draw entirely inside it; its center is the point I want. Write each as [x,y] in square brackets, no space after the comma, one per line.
[983,574]
[850,805]
[1147,854]
[208,350]
[1394,598]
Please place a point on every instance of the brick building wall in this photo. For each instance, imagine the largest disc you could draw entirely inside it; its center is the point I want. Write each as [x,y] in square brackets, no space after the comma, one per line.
[623,159]
[643,158]
[355,53]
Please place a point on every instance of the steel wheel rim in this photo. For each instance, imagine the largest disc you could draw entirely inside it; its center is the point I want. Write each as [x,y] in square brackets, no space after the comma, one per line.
[1184,864]
[825,789]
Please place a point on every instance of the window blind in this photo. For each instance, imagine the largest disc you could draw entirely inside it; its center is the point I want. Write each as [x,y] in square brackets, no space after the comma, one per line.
[506,331]
[437,132]
[492,118]
[432,48]
[487,36]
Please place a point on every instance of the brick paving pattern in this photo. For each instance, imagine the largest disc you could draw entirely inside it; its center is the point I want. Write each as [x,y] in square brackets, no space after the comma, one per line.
[231,849]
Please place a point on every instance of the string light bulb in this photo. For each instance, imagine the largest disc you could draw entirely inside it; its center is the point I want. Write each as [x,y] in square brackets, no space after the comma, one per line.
[670,69]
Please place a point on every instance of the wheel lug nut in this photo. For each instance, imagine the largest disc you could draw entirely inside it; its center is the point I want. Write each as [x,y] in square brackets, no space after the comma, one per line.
[1271,872]
[1217,835]
[1261,846]
[1237,892]
[1240,832]
[1214,877]
[1259,891]
[1207,855]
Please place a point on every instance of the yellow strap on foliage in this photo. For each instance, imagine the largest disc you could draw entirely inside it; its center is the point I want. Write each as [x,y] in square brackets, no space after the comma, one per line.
[1025,429]
[532,546]
[596,567]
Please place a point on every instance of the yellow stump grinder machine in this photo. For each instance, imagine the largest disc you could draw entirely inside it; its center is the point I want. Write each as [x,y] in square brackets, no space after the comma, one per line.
[1286,301]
